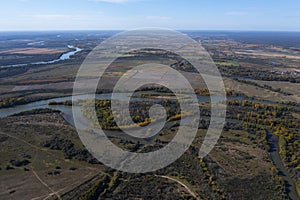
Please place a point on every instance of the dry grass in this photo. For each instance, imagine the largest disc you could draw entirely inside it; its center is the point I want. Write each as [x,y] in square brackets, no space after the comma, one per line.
[289,87]
[15,184]
[232,156]
[259,93]
[32,51]
[267,54]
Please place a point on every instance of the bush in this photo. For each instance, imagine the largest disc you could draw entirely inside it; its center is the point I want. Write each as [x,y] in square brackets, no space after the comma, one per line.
[19,163]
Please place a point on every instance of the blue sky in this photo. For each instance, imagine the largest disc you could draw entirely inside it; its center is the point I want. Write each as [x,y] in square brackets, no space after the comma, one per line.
[282,15]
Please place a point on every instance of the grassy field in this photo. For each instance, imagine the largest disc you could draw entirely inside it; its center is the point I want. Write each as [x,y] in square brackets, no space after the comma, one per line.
[48,171]
[288,87]
[235,158]
[262,93]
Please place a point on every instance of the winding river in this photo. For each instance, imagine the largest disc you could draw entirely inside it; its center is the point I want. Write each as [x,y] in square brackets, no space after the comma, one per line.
[275,156]
[83,124]
[68,113]
[4,112]
[64,56]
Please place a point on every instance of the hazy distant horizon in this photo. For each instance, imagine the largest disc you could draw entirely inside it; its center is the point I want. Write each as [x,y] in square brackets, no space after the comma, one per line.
[281,38]
[181,30]
[233,15]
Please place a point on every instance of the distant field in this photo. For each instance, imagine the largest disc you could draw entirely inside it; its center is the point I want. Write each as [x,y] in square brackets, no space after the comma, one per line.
[258,92]
[32,51]
[268,54]
[293,88]
[227,63]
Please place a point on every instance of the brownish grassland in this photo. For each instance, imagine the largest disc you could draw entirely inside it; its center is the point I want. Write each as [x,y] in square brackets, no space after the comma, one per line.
[32,51]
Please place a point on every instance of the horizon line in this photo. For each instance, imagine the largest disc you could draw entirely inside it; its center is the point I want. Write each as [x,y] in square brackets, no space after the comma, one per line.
[212,30]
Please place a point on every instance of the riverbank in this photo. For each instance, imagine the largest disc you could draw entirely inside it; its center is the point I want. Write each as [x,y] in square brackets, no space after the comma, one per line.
[283,172]
[64,56]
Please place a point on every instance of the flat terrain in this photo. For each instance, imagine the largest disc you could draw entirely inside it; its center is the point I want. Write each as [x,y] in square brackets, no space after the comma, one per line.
[31,51]
[42,156]
[50,173]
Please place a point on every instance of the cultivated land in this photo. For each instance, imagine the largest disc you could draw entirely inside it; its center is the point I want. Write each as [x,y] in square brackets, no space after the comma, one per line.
[43,157]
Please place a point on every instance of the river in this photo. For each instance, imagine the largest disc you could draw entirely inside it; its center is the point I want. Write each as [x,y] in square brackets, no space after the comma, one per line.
[4,112]
[275,156]
[83,123]
[67,113]
[64,56]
